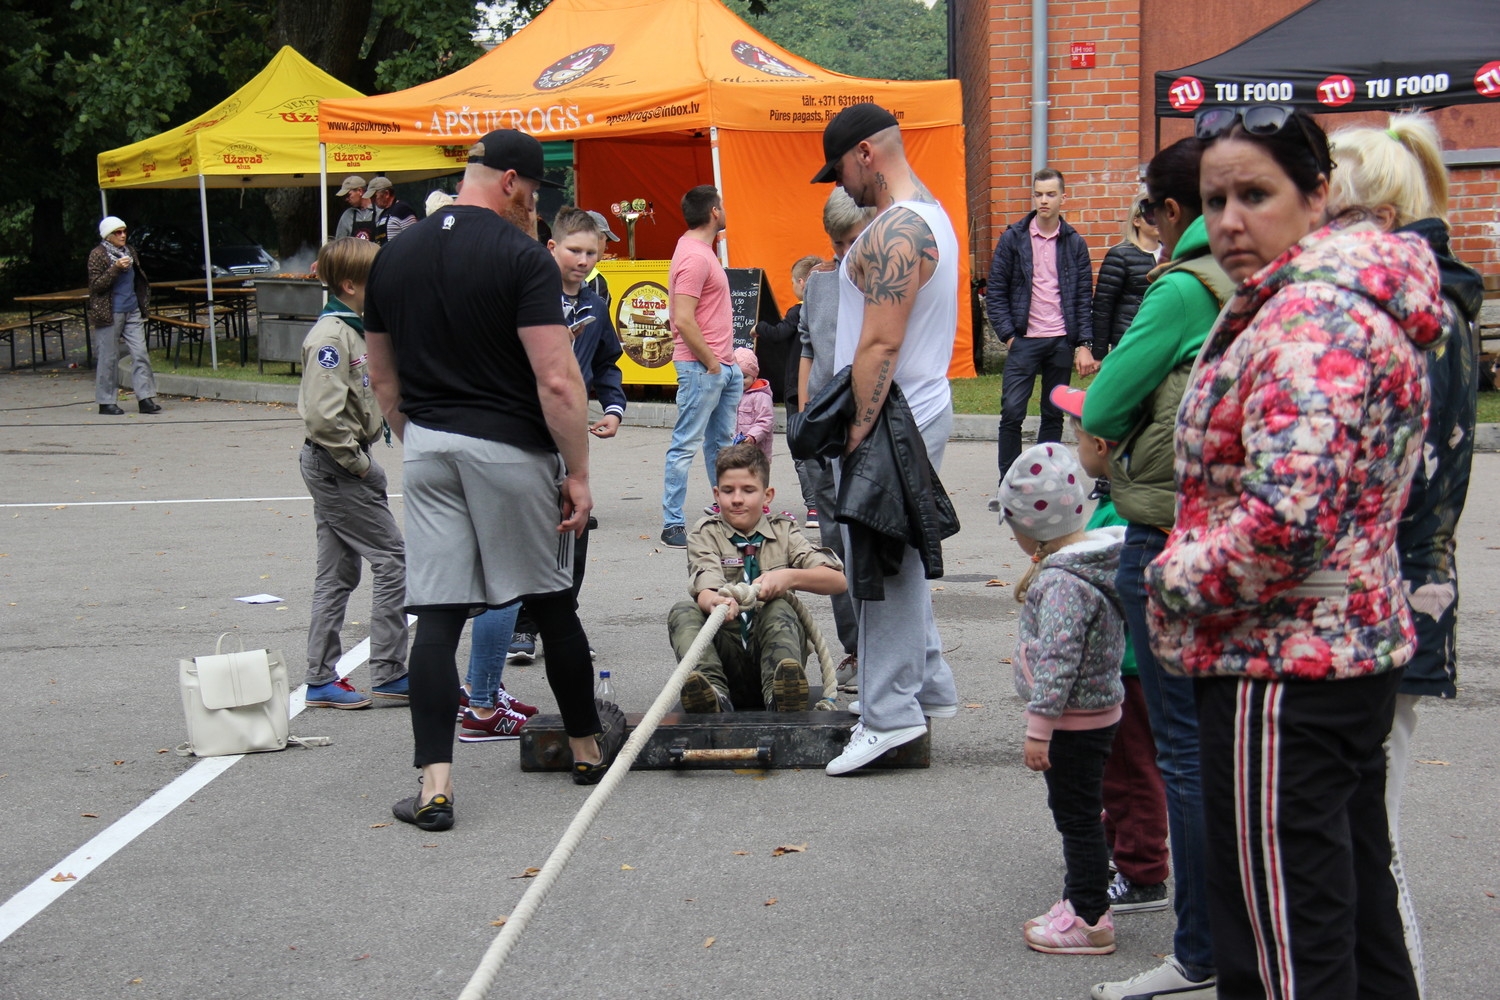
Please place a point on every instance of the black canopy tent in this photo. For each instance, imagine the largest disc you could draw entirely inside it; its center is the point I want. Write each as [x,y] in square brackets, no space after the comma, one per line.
[1351,55]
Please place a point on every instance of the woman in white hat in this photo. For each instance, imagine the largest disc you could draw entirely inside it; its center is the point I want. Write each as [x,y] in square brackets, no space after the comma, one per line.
[118,297]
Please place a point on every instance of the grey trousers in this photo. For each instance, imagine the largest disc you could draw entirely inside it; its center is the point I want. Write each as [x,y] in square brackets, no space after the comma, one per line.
[354,522]
[132,328]
[901,665]
[819,487]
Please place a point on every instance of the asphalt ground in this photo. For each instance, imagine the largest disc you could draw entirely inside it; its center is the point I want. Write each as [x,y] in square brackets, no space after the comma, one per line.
[285,876]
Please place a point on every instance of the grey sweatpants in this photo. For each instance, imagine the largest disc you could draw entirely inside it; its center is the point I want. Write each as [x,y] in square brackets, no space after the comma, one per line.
[354,522]
[819,487]
[901,665]
[132,328]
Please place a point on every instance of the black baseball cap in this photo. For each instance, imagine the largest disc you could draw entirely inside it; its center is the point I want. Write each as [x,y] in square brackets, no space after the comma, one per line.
[848,129]
[508,149]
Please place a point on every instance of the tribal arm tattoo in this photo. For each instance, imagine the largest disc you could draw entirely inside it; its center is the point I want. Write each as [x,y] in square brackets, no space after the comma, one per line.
[892,256]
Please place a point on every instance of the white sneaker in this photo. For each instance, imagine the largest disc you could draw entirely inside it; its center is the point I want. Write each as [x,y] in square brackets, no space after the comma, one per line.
[855,709]
[1166,980]
[867,745]
[847,673]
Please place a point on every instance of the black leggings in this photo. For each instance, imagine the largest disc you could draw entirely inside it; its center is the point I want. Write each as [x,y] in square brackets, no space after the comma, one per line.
[435,684]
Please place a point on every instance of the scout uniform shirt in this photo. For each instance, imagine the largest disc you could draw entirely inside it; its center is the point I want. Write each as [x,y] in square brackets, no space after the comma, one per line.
[715,559]
[335,399]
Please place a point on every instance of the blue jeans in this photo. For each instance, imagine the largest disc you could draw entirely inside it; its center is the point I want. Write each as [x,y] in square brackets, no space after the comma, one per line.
[488,644]
[706,408]
[1174,723]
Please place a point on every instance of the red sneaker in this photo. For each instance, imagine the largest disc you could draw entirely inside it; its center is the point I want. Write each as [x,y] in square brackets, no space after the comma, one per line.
[502,725]
[504,699]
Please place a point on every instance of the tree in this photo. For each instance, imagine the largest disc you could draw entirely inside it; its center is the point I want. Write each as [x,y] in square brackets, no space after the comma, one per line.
[80,78]
[881,39]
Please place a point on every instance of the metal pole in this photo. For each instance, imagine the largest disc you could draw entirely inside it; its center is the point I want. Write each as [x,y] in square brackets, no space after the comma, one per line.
[103,204]
[1039,102]
[208,272]
[323,190]
[713,145]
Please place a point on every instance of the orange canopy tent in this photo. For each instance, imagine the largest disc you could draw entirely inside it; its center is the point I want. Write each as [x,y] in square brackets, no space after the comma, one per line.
[662,95]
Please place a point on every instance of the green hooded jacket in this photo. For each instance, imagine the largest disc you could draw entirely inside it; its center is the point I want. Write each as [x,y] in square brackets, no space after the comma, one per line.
[1133,401]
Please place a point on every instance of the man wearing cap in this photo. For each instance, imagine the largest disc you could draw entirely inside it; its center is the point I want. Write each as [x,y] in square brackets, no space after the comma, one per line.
[897,319]
[392,217]
[709,385]
[1039,299]
[474,369]
[359,218]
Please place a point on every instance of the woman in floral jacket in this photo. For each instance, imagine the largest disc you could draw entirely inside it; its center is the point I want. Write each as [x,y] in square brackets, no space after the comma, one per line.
[1279,589]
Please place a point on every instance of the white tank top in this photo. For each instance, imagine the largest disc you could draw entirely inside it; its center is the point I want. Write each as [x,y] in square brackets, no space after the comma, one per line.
[922,365]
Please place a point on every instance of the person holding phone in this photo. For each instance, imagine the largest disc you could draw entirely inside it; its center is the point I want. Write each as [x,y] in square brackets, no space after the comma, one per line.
[118,296]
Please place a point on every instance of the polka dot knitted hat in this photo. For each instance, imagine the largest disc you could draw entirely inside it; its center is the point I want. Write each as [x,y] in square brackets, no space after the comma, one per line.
[1043,494]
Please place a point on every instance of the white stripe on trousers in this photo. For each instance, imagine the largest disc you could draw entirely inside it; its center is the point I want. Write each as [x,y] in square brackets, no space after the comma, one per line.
[1256,794]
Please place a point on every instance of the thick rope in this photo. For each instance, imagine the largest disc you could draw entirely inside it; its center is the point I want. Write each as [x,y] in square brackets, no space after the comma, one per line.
[745,595]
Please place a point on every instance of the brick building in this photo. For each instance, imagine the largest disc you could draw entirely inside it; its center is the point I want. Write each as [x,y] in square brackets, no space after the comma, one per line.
[1102,127]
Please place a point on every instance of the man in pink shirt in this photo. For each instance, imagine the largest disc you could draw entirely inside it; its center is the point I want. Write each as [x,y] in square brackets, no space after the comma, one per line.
[1039,299]
[708,381]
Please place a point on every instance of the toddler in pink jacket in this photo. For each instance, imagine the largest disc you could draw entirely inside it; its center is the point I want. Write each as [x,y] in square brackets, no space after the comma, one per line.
[756,420]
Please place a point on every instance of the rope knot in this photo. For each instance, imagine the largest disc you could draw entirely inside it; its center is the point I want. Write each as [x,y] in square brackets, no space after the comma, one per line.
[743,594]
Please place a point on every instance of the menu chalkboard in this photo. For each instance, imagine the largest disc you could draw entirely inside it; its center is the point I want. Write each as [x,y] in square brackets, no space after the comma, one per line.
[752,300]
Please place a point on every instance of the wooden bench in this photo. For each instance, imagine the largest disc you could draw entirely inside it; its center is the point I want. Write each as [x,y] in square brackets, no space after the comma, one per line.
[166,326]
[41,326]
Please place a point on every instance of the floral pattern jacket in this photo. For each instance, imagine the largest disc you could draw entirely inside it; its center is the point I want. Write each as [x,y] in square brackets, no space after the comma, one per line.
[1296,444]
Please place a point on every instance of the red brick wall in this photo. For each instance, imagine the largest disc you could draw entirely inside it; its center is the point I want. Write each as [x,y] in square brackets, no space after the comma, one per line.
[1102,124]
[1093,117]
[1474,217]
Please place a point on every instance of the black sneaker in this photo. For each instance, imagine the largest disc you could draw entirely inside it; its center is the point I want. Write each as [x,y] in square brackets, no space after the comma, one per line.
[435,814]
[1126,896]
[789,686]
[699,695]
[674,536]
[610,739]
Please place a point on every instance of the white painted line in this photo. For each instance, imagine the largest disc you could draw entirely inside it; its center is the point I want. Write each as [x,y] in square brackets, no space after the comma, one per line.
[44,891]
[142,503]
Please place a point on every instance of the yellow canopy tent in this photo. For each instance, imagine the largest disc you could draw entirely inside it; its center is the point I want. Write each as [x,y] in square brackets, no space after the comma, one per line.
[263,135]
[661,95]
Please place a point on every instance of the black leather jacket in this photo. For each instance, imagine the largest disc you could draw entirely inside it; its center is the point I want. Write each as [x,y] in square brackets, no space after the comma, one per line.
[889,495]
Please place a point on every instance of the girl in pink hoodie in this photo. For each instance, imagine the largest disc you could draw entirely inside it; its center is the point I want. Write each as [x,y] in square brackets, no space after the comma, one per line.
[756,420]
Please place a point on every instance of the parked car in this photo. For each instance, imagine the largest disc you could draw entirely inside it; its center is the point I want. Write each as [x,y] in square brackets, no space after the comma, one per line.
[173,253]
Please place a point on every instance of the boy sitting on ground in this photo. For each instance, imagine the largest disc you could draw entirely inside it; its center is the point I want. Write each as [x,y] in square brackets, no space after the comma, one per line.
[756,659]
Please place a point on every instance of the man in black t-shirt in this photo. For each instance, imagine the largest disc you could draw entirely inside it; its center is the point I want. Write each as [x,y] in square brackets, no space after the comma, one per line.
[475,371]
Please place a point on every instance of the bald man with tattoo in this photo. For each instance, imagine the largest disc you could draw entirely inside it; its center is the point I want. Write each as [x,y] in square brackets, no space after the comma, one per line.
[898,315]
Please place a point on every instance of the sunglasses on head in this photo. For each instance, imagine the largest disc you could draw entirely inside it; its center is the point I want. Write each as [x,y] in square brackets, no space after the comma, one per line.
[1259,119]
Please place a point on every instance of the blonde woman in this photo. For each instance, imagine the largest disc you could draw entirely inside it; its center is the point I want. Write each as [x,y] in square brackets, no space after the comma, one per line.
[1122,277]
[1395,177]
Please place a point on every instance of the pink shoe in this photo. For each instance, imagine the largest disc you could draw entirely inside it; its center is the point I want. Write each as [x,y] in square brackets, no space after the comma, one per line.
[1065,933]
[1058,909]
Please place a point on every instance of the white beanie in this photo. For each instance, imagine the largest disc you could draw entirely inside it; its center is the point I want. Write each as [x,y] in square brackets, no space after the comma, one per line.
[1043,493]
[109,225]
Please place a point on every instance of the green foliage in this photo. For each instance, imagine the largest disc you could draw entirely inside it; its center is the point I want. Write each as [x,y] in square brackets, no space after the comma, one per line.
[438,34]
[879,39]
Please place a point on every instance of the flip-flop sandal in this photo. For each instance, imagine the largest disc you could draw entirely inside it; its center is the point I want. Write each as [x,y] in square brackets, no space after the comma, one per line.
[610,739]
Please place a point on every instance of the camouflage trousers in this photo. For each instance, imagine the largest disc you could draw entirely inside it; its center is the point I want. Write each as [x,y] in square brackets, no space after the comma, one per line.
[731,665]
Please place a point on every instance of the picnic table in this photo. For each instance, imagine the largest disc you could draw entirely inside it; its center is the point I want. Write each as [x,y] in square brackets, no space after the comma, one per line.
[229,293]
[45,315]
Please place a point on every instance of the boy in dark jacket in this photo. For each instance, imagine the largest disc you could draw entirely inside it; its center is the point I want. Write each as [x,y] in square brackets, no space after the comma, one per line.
[1039,300]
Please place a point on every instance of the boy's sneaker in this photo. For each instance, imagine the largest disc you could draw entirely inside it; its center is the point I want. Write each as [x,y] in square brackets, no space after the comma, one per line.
[812,518]
[700,696]
[674,536]
[712,508]
[336,694]
[789,686]
[1126,896]
[502,725]
[522,648]
[510,703]
[396,690]
[1065,933]
[1166,980]
[847,673]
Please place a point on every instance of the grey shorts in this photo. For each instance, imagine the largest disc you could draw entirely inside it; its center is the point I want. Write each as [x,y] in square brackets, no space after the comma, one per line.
[481,521]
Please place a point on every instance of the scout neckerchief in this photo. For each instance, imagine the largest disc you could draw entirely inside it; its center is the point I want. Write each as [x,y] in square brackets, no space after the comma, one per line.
[750,553]
[339,311]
